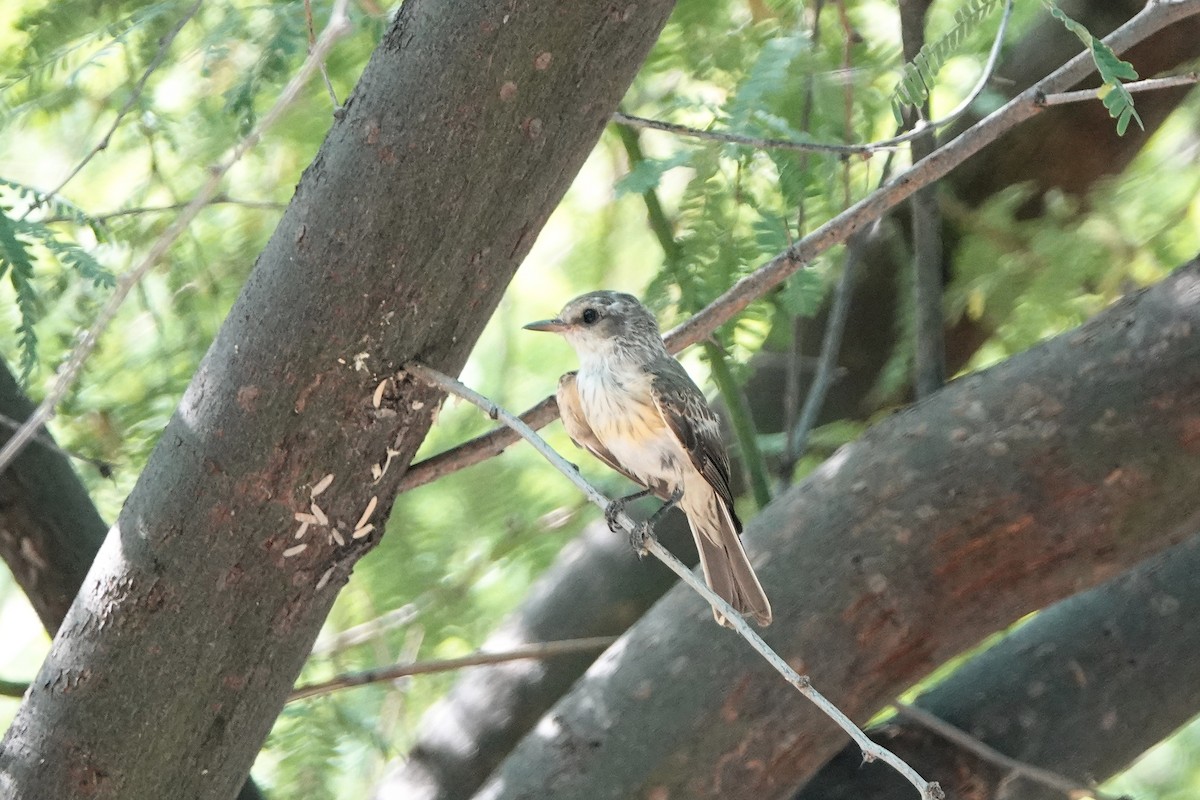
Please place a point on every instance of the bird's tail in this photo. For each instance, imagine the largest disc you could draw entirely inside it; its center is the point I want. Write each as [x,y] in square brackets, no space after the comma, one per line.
[726,567]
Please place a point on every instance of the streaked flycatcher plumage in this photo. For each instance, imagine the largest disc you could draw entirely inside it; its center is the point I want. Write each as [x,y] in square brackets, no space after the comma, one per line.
[634,407]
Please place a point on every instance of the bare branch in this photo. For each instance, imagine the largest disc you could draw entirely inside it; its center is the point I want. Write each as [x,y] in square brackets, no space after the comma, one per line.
[871,750]
[138,88]
[1153,18]
[831,345]
[867,149]
[537,650]
[1148,85]
[69,371]
[966,741]
[220,199]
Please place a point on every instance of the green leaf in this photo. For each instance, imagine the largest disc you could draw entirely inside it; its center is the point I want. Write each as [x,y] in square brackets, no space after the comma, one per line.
[917,76]
[1116,98]
[646,174]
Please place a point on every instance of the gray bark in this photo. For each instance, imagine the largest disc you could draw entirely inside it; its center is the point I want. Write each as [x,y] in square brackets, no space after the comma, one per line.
[1008,490]
[49,529]
[181,647]
[1118,663]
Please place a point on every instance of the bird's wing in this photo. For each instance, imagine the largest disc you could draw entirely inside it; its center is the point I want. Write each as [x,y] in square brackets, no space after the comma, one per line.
[571,412]
[684,409]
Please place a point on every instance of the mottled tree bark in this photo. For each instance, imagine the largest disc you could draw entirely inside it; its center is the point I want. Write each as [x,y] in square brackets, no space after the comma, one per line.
[180,649]
[49,529]
[1008,490]
[1117,663]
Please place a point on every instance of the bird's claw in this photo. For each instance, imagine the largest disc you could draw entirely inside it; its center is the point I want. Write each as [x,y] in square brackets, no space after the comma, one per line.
[611,512]
[641,534]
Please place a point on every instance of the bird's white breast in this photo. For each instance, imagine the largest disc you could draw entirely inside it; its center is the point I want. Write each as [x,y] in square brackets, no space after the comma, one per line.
[620,410]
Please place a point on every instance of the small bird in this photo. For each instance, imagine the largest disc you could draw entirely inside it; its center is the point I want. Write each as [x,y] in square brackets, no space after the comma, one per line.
[634,407]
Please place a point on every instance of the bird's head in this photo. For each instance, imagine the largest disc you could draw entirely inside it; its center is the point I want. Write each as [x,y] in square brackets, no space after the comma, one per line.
[606,324]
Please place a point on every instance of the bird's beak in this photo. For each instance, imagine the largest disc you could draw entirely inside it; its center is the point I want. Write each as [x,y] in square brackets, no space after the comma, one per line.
[550,325]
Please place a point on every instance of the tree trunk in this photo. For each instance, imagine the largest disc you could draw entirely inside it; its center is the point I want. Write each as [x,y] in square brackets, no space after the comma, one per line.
[1082,689]
[49,529]
[1006,491]
[195,619]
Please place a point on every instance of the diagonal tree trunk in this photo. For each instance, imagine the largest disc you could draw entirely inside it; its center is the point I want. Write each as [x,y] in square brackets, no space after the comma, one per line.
[1007,490]
[49,529]
[1117,663]
[197,615]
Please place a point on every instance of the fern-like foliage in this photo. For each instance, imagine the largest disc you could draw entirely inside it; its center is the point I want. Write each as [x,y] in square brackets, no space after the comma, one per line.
[25,242]
[1116,98]
[917,77]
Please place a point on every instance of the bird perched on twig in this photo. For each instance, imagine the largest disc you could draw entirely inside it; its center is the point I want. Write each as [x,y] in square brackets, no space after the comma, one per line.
[634,407]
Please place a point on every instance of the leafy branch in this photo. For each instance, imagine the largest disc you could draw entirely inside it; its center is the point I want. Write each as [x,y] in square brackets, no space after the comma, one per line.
[1116,98]
[917,76]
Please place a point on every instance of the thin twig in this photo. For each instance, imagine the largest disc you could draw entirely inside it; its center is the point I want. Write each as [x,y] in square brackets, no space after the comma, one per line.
[366,631]
[312,42]
[13,688]
[537,650]
[105,468]
[69,371]
[1147,85]
[138,88]
[925,223]
[130,212]
[1153,18]
[870,148]
[966,741]
[831,346]
[871,750]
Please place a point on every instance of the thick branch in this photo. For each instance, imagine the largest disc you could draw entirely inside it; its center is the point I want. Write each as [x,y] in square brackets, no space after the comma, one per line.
[1079,690]
[1005,491]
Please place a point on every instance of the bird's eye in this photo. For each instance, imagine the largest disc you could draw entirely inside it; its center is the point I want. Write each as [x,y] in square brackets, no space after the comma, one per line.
[590,315]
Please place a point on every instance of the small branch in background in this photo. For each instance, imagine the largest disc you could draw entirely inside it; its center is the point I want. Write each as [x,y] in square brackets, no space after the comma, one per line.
[964,740]
[1148,85]
[735,402]
[312,42]
[477,450]
[163,46]
[537,650]
[13,689]
[220,199]
[871,750]
[103,467]
[831,345]
[1146,23]
[366,631]
[791,378]
[742,423]
[69,371]
[929,343]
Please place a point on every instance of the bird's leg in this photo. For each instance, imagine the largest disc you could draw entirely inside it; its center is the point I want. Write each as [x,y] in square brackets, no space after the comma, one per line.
[615,507]
[645,531]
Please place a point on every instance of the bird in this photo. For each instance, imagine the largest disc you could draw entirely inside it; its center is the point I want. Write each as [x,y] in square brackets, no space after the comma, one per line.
[634,407]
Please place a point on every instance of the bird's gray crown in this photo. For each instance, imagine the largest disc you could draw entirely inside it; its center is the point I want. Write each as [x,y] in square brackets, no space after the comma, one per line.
[611,315]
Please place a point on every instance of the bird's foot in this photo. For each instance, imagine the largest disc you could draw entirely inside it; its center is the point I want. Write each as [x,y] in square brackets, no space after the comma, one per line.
[611,512]
[642,533]
[615,507]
